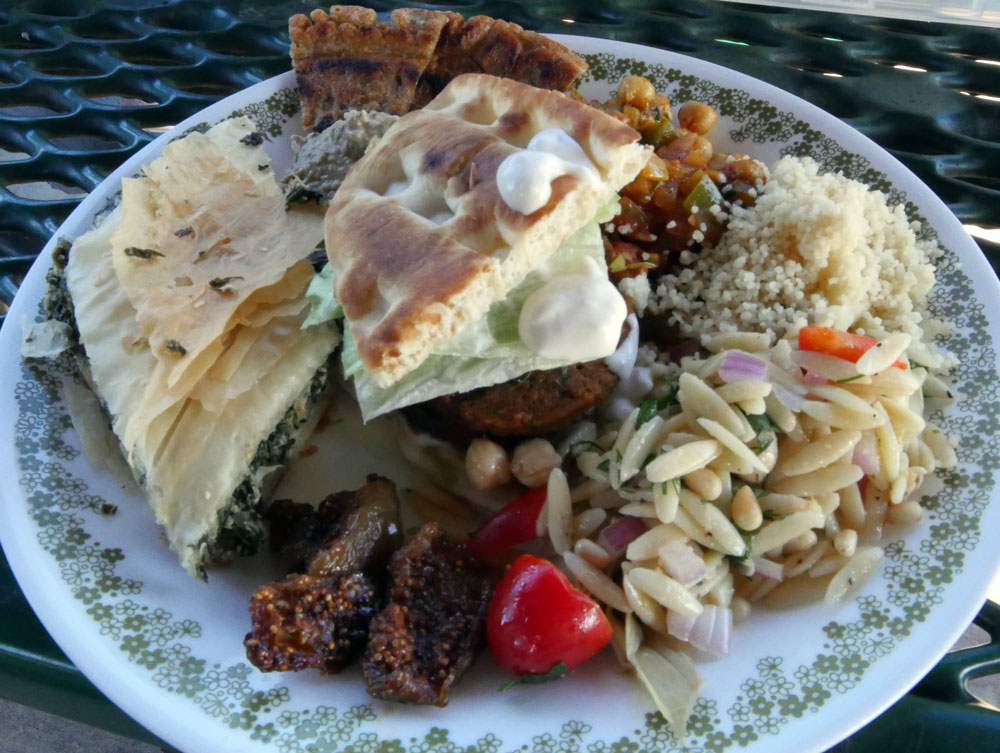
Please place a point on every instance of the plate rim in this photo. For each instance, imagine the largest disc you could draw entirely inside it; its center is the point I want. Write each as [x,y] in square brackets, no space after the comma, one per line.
[914,188]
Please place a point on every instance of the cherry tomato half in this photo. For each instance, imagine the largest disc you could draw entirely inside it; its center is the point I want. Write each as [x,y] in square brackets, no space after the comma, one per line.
[537,619]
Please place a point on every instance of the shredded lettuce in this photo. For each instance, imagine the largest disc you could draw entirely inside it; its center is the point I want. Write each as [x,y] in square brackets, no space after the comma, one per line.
[323,307]
[482,353]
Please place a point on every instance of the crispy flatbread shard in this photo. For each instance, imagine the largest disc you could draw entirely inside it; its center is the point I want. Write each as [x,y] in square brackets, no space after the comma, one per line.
[347,60]
[189,227]
[419,239]
[488,45]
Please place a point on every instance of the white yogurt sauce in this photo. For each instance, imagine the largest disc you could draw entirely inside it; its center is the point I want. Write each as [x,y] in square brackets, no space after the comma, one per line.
[575,317]
[525,177]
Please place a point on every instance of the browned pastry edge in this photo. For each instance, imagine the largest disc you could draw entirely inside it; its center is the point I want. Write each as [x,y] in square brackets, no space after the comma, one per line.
[345,59]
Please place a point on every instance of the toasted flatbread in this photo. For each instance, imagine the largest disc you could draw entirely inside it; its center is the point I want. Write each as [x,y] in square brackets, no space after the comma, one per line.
[418,236]
[347,60]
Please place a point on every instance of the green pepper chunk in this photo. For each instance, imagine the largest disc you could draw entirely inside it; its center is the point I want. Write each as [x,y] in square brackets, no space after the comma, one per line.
[659,133]
[703,195]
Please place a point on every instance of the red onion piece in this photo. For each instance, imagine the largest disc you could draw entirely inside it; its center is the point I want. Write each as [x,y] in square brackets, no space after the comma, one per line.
[682,564]
[787,397]
[680,626]
[711,631]
[769,568]
[737,366]
[616,537]
[866,455]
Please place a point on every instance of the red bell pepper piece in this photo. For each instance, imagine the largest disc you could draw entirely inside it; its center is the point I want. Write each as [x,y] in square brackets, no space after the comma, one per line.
[834,342]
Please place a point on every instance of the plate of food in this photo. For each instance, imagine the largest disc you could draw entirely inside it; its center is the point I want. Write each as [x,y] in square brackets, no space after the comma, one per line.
[468,389]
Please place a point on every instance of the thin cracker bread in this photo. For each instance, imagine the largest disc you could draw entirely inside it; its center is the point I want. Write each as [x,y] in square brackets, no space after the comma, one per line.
[202,233]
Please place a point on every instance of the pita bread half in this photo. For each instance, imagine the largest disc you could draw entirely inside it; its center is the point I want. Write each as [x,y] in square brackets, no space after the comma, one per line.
[421,242]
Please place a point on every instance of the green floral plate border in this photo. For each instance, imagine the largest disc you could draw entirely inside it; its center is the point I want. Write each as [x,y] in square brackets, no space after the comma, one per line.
[167,649]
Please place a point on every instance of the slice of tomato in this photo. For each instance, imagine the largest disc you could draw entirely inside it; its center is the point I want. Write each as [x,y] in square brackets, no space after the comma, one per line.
[834,342]
[537,619]
[515,523]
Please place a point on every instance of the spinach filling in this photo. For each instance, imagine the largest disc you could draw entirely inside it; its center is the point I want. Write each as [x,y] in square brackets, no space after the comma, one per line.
[241,529]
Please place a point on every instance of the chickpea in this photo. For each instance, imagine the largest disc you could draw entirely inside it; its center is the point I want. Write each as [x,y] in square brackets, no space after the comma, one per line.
[697,117]
[486,464]
[689,148]
[744,169]
[700,152]
[636,91]
[533,461]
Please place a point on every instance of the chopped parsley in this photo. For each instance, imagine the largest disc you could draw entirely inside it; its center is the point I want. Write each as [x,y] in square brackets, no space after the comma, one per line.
[761,423]
[650,407]
[175,347]
[253,139]
[604,465]
[558,671]
[184,231]
[221,284]
[141,253]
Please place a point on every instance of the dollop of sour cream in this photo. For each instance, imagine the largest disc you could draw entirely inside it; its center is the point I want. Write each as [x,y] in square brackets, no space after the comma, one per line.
[574,317]
[525,178]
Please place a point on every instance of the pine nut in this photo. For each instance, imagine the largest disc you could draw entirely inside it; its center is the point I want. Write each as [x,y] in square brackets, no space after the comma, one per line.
[746,510]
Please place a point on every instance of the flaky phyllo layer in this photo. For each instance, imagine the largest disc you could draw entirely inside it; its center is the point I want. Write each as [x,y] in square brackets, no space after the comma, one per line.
[189,300]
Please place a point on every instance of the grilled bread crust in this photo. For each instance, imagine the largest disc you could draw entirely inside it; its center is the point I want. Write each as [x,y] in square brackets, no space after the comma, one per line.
[420,240]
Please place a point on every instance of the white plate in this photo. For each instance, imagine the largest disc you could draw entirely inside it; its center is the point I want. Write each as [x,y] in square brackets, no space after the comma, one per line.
[168,648]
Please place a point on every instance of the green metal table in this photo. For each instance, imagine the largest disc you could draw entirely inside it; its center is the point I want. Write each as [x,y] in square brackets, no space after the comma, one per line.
[86,83]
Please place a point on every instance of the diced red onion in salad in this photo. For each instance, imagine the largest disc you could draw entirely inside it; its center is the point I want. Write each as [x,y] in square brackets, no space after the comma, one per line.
[866,455]
[682,564]
[769,568]
[711,631]
[788,397]
[615,538]
[737,366]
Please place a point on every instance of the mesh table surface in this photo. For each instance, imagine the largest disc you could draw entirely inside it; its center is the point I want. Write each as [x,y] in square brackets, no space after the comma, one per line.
[84,84]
